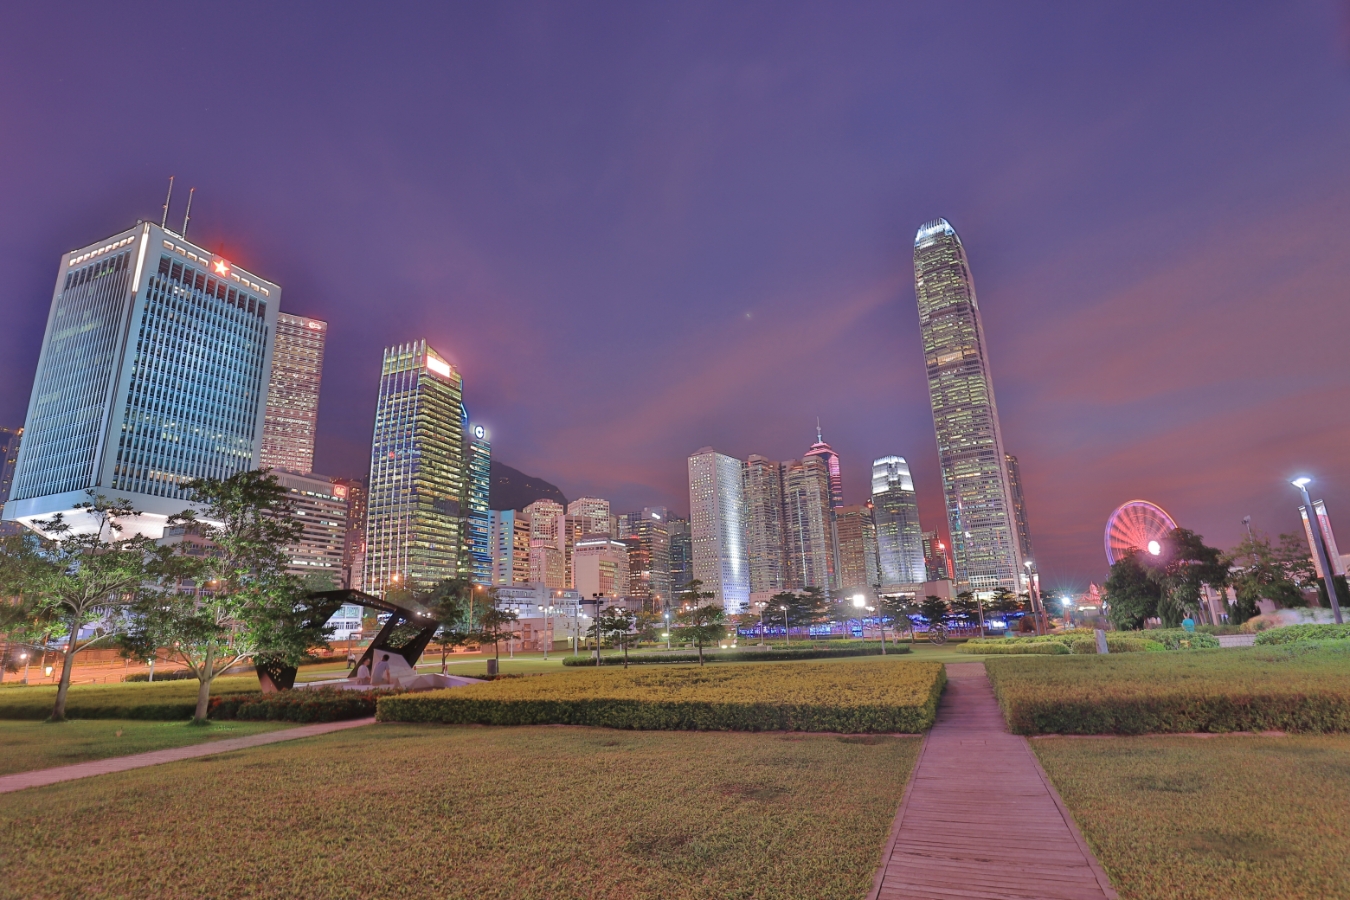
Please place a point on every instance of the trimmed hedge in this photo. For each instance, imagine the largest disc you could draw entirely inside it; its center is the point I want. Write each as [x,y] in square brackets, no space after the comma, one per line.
[171,675]
[1301,687]
[1015,648]
[1116,643]
[1290,634]
[647,659]
[304,705]
[881,698]
[163,701]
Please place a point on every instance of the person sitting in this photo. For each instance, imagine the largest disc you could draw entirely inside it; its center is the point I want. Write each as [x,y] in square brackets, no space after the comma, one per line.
[381,674]
[363,674]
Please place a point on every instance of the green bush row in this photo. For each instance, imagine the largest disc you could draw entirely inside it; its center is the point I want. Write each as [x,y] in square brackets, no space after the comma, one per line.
[1180,639]
[305,705]
[1117,644]
[1015,648]
[644,659]
[171,675]
[1290,634]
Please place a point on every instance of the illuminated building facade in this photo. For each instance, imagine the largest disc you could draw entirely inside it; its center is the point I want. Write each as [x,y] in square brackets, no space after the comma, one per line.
[857,536]
[649,557]
[353,491]
[896,511]
[152,373]
[478,533]
[1020,511]
[509,532]
[543,518]
[415,519]
[600,564]
[978,497]
[681,554]
[826,454]
[808,524]
[592,515]
[293,393]
[717,528]
[10,439]
[764,526]
[547,565]
[320,506]
[936,560]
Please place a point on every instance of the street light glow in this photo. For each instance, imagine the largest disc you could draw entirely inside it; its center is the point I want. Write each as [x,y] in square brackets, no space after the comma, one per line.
[1154,547]
[1303,481]
[859,601]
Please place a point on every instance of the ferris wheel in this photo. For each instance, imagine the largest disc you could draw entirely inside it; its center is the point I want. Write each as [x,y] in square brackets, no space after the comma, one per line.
[1139,526]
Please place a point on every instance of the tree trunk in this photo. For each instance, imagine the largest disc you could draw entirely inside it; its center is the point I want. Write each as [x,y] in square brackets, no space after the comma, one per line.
[204,678]
[59,711]
[700,652]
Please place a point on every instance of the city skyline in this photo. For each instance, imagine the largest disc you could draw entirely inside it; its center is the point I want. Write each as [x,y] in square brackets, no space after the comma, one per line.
[763,237]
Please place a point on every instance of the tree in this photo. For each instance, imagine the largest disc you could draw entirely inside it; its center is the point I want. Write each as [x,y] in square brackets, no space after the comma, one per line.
[692,594]
[238,602]
[1130,594]
[1261,573]
[804,608]
[899,609]
[448,605]
[496,623]
[1185,566]
[968,606]
[702,625]
[70,581]
[616,623]
[1005,601]
[933,609]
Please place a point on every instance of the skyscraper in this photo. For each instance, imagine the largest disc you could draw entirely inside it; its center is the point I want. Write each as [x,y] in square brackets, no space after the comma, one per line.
[592,513]
[896,511]
[353,491]
[152,373]
[10,438]
[808,524]
[293,393]
[1020,510]
[937,561]
[478,483]
[321,509]
[649,557]
[965,418]
[543,518]
[601,566]
[510,535]
[831,459]
[856,530]
[415,520]
[681,554]
[764,525]
[717,528]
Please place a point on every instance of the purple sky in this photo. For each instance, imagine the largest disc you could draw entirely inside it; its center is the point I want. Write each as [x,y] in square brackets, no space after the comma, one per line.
[644,228]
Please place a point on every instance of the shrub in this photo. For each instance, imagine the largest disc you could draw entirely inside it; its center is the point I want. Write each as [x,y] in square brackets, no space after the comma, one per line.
[881,697]
[304,705]
[1118,643]
[643,659]
[171,675]
[1290,634]
[1301,687]
[1180,639]
[996,647]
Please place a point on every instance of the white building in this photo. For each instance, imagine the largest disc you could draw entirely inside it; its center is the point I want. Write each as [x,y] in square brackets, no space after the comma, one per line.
[717,528]
[600,566]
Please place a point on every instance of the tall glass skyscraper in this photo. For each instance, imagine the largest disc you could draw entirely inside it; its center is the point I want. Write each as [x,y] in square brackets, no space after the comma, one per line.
[293,393]
[479,483]
[764,525]
[975,484]
[1020,511]
[414,514]
[895,509]
[717,528]
[808,524]
[152,373]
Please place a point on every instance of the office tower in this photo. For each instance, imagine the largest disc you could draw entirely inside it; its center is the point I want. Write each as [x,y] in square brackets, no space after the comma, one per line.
[717,528]
[681,554]
[895,508]
[593,514]
[321,508]
[858,568]
[151,374]
[600,564]
[1020,511]
[965,417]
[543,518]
[937,561]
[808,521]
[478,538]
[414,521]
[10,438]
[353,491]
[293,393]
[510,535]
[649,557]
[547,565]
[764,526]
[827,455]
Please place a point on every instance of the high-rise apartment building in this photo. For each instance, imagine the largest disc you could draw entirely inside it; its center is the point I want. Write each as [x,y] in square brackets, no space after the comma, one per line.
[717,528]
[649,557]
[827,455]
[415,520]
[1020,511]
[601,566]
[975,484]
[764,526]
[320,507]
[293,393]
[593,515]
[543,518]
[895,509]
[152,373]
[478,484]
[808,524]
[547,565]
[937,561]
[857,534]
[681,554]
[353,491]
[510,536]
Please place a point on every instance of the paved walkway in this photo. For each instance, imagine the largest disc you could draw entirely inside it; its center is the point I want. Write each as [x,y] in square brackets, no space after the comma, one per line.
[979,818]
[21,780]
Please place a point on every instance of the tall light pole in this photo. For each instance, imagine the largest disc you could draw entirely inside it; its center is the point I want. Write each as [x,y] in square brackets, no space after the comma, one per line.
[667,615]
[1319,546]
[1033,591]
[859,603]
[787,636]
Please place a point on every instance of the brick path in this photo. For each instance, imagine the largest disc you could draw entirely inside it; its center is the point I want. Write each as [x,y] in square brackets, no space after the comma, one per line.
[21,780]
[980,818]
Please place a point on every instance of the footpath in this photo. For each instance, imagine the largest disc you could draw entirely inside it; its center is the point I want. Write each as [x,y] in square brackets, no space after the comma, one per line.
[21,780]
[979,818]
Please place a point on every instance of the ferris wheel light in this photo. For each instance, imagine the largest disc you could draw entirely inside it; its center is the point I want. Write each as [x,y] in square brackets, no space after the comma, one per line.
[1154,548]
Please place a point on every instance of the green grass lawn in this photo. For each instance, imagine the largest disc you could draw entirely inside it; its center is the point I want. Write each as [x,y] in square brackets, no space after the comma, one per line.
[134,700]
[1223,818]
[429,811]
[25,746]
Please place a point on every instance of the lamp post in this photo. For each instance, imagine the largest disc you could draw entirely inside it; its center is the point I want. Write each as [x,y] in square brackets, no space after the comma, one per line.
[762,606]
[881,623]
[787,636]
[859,602]
[667,615]
[1319,546]
[597,599]
[1033,590]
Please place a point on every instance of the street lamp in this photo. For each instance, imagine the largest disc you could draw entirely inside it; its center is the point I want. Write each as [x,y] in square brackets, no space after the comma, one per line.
[1319,545]
[1033,590]
[667,615]
[787,636]
[859,601]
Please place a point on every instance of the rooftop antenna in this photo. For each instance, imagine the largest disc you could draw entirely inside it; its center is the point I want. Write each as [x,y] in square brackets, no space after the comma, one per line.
[187,216]
[165,218]
[819,439]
